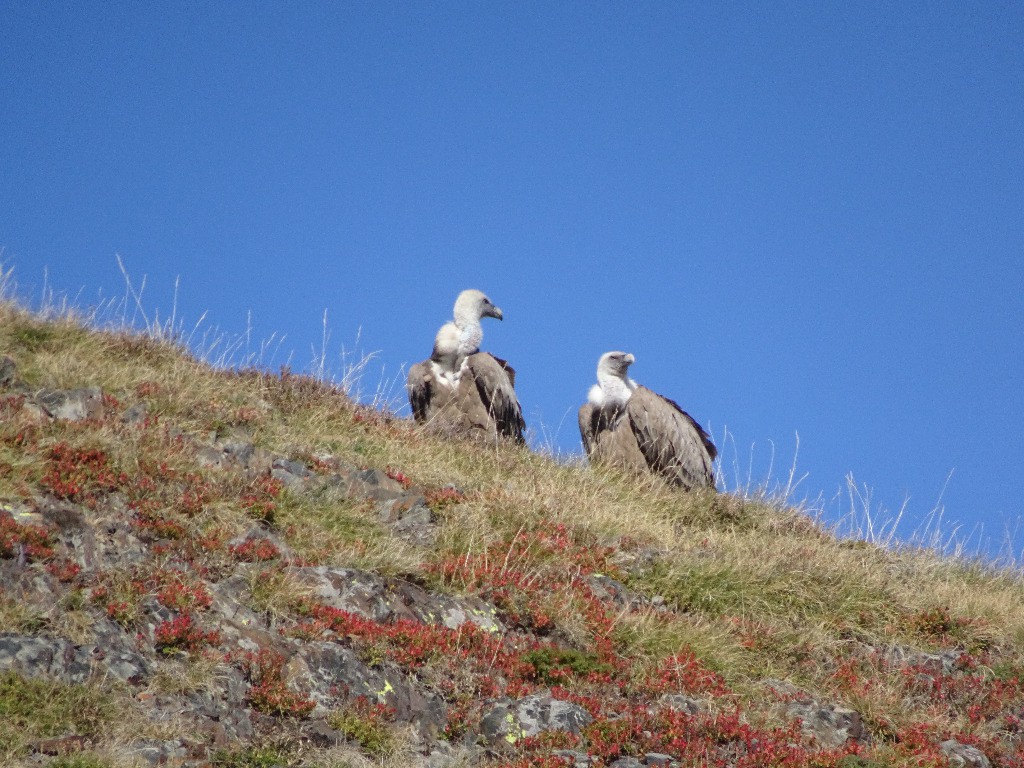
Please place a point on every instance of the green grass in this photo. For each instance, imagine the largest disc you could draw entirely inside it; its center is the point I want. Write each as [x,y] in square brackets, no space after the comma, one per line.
[33,709]
[253,757]
[85,760]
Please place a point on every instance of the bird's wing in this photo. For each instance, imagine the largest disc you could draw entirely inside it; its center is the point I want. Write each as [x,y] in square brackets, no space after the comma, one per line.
[494,394]
[421,385]
[587,427]
[674,445]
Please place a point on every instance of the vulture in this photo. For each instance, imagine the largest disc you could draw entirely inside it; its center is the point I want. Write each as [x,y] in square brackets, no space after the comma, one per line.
[461,389]
[628,426]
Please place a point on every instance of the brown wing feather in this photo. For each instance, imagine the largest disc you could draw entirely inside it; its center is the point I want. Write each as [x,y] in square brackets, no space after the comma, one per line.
[705,438]
[507,368]
[420,387]
[585,418]
[608,438]
[429,398]
[491,404]
[673,444]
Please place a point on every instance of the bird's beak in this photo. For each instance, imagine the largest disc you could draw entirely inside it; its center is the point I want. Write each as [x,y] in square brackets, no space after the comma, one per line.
[495,312]
[629,359]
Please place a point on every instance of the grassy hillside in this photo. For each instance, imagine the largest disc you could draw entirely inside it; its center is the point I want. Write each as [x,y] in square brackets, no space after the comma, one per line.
[614,594]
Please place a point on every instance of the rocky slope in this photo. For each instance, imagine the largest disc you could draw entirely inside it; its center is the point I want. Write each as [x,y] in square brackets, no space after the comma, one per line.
[202,567]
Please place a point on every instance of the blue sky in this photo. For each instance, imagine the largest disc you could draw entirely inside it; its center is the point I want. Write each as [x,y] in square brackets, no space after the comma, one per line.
[800,217]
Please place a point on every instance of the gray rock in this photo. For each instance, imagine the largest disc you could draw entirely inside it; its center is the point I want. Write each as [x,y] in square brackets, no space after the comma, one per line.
[136,414]
[72,404]
[410,519]
[329,674]
[21,513]
[577,759]
[230,603]
[609,590]
[963,755]
[209,456]
[372,484]
[320,734]
[114,651]
[657,758]
[510,721]
[8,372]
[828,725]
[682,703]
[383,600]
[112,545]
[238,452]
[294,474]
[235,450]
[43,656]
[349,590]
[626,762]
[154,752]
[943,662]
[442,754]
[448,610]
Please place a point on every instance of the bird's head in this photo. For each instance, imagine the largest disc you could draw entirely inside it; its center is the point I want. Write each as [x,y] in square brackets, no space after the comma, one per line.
[472,305]
[614,364]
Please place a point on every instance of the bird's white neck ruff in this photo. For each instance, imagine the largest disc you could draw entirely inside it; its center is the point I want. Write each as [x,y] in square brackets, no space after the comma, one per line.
[446,359]
[611,390]
[471,334]
[446,378]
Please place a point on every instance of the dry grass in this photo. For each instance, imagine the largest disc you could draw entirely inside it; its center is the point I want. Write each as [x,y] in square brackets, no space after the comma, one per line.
[756,588]
[36,709]
[718,555]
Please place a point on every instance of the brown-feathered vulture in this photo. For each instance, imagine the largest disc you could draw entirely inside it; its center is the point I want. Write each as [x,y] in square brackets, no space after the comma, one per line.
[464,390]
[629,426]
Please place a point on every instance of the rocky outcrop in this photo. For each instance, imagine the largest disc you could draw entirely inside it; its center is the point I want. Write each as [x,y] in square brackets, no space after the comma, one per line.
[511,721]
[825,724]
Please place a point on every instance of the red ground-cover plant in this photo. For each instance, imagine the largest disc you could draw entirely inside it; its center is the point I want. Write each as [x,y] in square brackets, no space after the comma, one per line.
[267,690]
[260,497]
[535,576]
[64,570]
[537,761]
[183,633]
[181,593]
[12,404]
[120,603]
[35,542]
[148,389]
[439,499]
[121,593]
[121,611]
[978,696]
[157,486]
[81,475]
[254,551]
[965,690]
[722,739]
[196,494]
[935,622]
[414,644]
[683,672]
[398,476]
[155,525]
[491,665]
